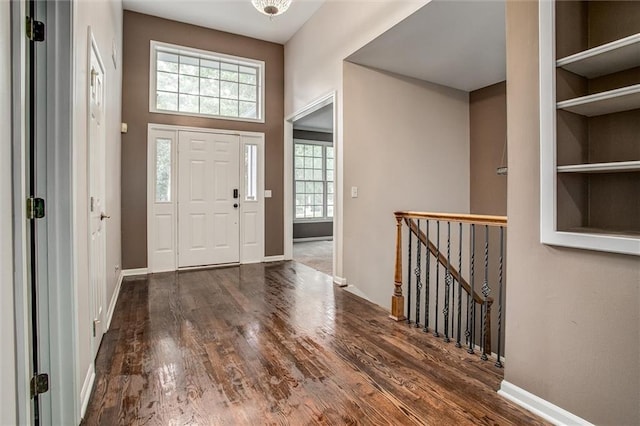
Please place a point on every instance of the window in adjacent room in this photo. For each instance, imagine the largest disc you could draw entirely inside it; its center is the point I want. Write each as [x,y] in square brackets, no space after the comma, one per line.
[194,82]
[313,176]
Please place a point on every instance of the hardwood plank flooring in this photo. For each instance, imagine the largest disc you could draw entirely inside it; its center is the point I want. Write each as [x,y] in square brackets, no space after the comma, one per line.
[279,344]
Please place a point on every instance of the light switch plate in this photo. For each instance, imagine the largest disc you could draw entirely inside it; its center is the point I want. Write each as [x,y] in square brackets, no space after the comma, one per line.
[354,192]
[267,193]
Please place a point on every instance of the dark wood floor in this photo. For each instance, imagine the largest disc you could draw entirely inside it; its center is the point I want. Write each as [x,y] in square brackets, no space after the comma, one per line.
[279,344]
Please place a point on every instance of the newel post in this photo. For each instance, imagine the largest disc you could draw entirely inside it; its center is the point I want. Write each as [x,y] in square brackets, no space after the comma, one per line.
[397,300]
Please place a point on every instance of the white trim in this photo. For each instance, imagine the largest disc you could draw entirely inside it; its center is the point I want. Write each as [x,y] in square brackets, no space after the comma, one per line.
[330,98]
[310,239]
[214,56]
[340,281]
[156,126]
[135,272]
[114,300]
[278,258]
[539,406]
[87,387]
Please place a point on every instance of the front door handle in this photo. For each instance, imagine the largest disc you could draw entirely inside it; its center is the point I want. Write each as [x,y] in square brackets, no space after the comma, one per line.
[235,205]
[235,193]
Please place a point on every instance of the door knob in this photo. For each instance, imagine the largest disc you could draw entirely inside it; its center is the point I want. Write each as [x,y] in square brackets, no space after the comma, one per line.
[104,216]
[235,205]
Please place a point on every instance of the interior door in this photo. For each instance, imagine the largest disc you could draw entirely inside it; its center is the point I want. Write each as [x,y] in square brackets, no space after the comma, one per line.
[97,215]
[208,199]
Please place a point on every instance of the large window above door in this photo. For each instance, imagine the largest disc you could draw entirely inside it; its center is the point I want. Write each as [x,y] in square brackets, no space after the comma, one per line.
[194,82]
[313,180]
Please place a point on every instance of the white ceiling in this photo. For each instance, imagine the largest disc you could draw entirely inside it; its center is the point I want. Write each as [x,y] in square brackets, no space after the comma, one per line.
[460,44]
[318,121]
[234,16]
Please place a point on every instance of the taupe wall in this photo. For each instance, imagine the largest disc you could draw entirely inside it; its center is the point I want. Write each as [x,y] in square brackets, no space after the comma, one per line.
[488,133]
[139,30]
[406,148]
[573,323]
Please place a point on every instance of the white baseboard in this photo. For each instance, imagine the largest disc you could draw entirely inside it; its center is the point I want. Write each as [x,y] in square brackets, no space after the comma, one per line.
[133,272]
[539,406]
[87,387]
[273,258]
[114,299]
[310,239]
[342,282]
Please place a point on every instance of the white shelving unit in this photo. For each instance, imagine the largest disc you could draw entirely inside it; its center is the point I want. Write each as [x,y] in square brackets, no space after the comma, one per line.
[598,62]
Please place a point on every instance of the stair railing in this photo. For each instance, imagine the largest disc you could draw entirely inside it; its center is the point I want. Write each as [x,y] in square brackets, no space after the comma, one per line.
[433,279]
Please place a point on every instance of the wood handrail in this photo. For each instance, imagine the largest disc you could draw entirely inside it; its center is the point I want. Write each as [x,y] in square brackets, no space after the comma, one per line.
[476,219]
[444,262]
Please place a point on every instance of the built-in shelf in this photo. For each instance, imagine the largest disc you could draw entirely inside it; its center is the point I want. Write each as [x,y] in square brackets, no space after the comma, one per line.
[609,102]
[606,59]
[614,167]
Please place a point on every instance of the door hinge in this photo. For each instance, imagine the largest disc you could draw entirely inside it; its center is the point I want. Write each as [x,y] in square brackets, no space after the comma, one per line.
[35,208]
[95,325]
[39,384]
[35,29]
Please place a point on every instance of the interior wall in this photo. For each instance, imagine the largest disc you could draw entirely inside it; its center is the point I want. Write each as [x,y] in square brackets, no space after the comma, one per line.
[573,323]
[313,65]
[488,135]
[139,30]
[8,367]
[405,139]
[104,17]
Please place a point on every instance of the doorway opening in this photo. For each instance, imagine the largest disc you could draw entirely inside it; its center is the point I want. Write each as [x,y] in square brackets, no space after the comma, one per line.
[314,188]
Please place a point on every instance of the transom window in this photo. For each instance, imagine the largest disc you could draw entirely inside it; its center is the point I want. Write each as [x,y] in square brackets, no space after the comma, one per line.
[314,188]
[195,82]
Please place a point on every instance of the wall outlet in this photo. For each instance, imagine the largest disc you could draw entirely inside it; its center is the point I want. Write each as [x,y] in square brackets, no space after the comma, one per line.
[354,192]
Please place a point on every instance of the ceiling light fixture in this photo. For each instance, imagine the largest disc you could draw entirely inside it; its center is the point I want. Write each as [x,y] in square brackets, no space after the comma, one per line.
[271,8]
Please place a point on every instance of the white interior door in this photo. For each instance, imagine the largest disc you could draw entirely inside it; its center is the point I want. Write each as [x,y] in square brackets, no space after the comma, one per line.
[208,199]
[96,174]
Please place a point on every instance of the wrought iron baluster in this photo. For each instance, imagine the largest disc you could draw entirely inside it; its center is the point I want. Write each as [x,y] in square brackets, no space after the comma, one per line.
[485,292]
[498,362]
[458,345]
[435,330]
[409,276]
[472,306]
[427,276]
[418,272]
[447,285]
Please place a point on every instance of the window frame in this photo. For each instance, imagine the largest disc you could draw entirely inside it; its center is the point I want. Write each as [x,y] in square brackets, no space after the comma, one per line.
[325,145]
[156,46]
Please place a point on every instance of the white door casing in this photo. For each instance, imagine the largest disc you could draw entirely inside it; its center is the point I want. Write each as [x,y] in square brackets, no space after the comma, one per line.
[96,173]
[208,199]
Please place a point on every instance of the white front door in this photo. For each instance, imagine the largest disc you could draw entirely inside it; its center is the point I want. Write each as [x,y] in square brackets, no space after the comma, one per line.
[97,215]
[208,199]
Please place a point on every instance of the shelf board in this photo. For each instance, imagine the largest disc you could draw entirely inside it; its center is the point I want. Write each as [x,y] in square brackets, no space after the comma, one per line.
[600,231]
[619,55]
[623,99]
[614,167]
